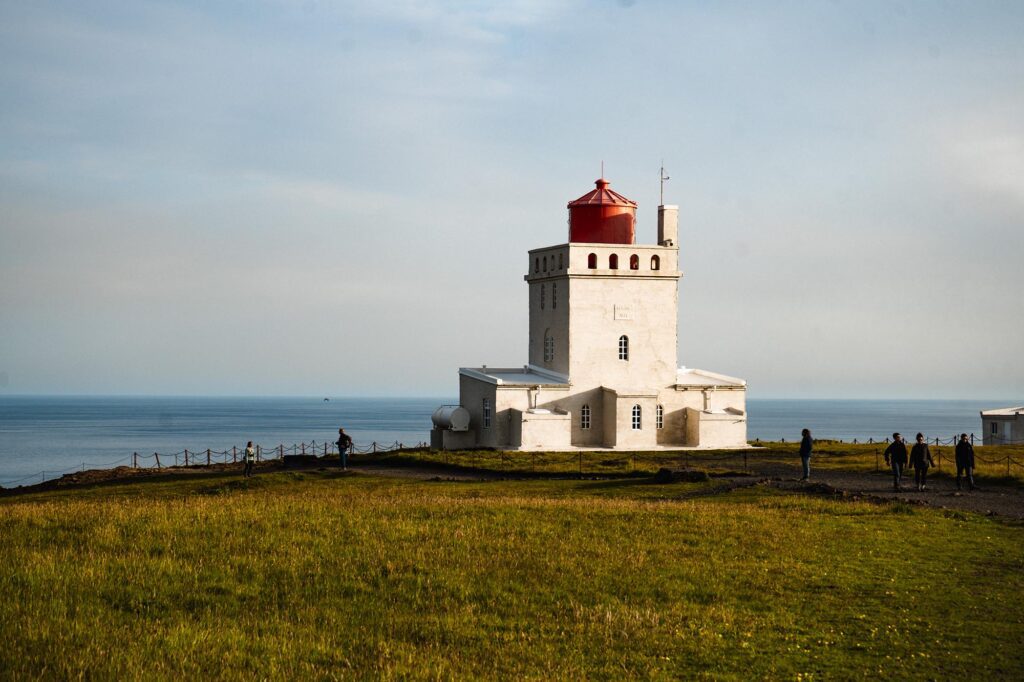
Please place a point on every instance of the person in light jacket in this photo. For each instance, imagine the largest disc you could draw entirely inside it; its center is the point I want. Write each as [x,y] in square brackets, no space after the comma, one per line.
[806,445]
[964,461]
[920,459]
[250,459]
[896,457]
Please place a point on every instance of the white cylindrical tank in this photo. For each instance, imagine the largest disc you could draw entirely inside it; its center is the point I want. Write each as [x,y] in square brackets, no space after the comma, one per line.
[452,417]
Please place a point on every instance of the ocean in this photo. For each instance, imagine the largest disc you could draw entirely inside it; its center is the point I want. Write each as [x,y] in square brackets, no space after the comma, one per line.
[42,437]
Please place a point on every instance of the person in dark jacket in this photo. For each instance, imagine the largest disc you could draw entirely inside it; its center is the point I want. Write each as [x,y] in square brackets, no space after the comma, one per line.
[344,443]
[806,445]
[920,459]
[964,461]
[896,457]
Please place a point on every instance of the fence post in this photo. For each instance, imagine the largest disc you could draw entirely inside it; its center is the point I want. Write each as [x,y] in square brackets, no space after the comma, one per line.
[374,447]
[135,460]
[234,454]
[303,447]
[207,456]
[325,448]
[186,456]
[972,439]
[157,455]
[259,453]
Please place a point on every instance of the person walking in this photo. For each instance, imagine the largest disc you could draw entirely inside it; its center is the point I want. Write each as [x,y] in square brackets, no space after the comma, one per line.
[920,459]
[964,461]
[250,459]
[806,445]
[896,457]
[344,444]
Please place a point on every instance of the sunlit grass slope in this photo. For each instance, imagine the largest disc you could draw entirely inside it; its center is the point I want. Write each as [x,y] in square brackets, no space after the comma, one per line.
[319,575]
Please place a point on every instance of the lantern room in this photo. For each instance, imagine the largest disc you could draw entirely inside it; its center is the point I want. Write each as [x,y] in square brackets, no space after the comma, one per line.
[602,216]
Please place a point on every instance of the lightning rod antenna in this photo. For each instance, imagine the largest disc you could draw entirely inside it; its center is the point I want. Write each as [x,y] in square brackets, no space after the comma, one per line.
[662,178]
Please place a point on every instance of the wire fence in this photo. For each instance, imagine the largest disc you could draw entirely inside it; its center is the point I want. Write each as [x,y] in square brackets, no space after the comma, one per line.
[990,439]
[207,457]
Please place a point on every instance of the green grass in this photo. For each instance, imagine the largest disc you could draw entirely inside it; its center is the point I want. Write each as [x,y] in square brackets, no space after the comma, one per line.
[319,574]
[991,461]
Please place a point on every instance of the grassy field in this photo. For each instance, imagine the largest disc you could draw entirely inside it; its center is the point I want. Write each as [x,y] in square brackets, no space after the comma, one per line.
[991,461]
[322,574]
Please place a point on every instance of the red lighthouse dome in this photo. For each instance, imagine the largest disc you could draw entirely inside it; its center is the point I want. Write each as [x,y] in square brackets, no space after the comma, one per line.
[602,216]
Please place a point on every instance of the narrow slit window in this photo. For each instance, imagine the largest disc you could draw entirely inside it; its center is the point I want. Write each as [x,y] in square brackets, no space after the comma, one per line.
[554,294]
[561,261]
[542,296]
[585,417]
[623,347]
[487,413]
[549,347]
[637,424]
[545,261]
[536,265]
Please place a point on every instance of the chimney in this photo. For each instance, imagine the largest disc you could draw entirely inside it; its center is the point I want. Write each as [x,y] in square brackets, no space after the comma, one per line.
[668,225]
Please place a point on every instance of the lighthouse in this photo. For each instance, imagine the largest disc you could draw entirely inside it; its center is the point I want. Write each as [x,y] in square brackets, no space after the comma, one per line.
[602,366]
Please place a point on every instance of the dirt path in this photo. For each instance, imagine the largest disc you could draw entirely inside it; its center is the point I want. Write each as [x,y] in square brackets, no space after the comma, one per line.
[1005,501]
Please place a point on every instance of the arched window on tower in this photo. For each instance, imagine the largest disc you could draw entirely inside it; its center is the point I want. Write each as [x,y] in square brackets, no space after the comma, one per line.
[613,261]
[659,417]
[560,261]
[592,261]
[542,295]
[655,263]
[545,263]
[536,265]
[634,262]
[554,294]
[637,414]
[623,347]
[585,417]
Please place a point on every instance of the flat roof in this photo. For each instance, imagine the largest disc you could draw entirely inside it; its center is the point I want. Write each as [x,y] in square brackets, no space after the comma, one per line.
[515,376]
[687,376]
[1002,412]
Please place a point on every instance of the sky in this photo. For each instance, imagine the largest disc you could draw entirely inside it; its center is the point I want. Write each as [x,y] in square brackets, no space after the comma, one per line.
[268,197]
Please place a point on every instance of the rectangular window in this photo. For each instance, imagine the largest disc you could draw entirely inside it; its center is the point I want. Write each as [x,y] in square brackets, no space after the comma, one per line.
[487,413]
[585,417]
[659,417]
[995,428]
[636,418]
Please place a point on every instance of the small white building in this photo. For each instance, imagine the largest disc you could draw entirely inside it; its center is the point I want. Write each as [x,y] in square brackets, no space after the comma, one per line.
[1003,426]
[602,369]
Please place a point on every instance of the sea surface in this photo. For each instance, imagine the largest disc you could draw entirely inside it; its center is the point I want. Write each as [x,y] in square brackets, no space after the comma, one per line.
[42,437]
